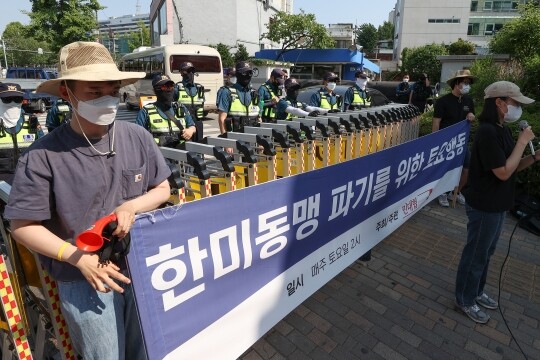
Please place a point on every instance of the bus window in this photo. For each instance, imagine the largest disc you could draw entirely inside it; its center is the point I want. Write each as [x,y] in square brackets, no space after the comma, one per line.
[203,64]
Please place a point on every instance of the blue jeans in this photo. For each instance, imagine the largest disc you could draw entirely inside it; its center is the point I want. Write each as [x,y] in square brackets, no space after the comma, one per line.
[102,326]
[483,231]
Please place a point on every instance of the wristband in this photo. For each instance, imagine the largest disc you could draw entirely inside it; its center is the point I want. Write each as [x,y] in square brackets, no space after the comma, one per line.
[61,250]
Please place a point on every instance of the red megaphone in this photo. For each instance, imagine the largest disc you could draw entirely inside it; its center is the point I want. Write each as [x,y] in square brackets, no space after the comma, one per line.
[92,239]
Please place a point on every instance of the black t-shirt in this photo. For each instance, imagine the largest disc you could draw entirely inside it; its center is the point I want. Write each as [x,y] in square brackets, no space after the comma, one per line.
[492,145]
[452,109]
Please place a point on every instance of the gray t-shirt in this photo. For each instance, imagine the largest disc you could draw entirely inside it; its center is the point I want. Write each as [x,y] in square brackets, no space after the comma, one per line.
[64,183]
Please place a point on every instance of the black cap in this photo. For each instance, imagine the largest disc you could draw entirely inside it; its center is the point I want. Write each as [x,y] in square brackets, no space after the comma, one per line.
[231,71]
[185,66]
[361,74]
[9,89]
[291,83]
[243,67]
[159,80]
[424,76]
[330,76]
[277,73]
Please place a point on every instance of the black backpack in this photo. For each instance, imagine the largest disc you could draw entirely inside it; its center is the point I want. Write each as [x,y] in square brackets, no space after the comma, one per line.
[527,210]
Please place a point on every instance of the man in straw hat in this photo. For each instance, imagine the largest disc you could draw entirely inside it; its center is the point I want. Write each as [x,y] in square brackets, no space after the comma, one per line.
[84,170]
[449,110]
[489,192]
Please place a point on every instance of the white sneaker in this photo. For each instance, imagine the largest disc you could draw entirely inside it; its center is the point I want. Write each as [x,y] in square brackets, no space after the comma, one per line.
[459,198]
[443,200]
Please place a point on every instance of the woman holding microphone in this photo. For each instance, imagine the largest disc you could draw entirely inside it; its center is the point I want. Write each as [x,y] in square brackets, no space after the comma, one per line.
[489,192]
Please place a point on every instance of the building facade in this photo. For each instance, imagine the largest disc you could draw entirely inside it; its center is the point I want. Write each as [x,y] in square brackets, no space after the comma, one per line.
[112,31]
[210,22]
[421,22]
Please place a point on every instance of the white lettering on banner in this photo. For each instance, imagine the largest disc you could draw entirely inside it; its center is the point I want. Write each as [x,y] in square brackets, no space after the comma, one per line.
[381,183]
[274,232]
[409,168]
[341,198]
[447,151]
[305,213]
[229,235]
[167,263]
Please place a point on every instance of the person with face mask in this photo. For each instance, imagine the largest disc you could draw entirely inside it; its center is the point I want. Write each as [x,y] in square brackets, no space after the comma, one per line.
[489,192]
[17,131]
[403,90]
[229,80]
[450,109]
[88,168]
[191,94]
[289,108]
[357,97]
[326,98]
[238,105]
[269,94]
[169,122]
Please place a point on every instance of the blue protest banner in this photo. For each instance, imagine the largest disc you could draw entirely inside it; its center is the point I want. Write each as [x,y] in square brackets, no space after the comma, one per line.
[212,276]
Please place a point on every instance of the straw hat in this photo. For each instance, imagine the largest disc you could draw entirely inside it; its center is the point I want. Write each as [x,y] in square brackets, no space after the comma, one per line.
[460,74]
[87,61]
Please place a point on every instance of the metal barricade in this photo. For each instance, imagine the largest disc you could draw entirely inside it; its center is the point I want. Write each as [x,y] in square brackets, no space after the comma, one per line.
[281,146]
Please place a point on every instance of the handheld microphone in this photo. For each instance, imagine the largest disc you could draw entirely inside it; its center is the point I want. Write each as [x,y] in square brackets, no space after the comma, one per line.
[523,124]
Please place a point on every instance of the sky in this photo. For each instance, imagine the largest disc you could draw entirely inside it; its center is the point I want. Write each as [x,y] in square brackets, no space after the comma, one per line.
[356,12]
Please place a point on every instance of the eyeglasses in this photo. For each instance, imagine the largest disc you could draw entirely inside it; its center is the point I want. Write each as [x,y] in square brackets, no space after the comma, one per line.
[9,99]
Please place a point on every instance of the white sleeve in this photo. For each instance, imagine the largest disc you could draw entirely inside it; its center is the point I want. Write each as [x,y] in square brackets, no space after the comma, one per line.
[296,111]
[314,108]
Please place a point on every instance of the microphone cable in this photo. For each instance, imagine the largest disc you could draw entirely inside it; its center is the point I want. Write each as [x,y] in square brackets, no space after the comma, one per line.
[500,281]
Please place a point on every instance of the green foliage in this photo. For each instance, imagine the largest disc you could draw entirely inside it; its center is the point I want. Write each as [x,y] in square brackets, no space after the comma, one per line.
[423,59]
[521,36]
[139,37]
[366,35]
[225,53]
[461,47]
[531,82]
[60,22]
[297,31]
[385,31]
[22,47]
[241,54]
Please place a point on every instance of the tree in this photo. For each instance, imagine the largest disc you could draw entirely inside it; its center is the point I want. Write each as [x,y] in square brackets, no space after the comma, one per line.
[60,22]
[139,37]
[521,36]
[385,31]
[297,31]
[423,59]
[461,47]
[241,54]
[225,53]
[22,49]
[366,35]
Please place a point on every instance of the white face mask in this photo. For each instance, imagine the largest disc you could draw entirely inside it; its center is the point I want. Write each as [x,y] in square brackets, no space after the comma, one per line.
[331,86]
[465,89]
[232,80]
[513,114]
[361,83]
[100,111]
[406,80]
[11,113]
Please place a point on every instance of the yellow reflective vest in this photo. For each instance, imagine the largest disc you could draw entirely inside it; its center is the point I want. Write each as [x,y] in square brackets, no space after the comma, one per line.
[195,104]
[163,126]
[325,104]
[358,100]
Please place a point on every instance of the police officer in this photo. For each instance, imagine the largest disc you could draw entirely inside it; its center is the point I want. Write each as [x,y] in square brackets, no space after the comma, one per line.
[229,80]
[269,94]
[17,132]
[238,104]
[59,113]
[289,108]
[170,122]
[357,97]
[326,98]
[191,94]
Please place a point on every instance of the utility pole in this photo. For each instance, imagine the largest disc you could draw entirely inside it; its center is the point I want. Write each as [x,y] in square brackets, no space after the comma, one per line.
[4,48]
